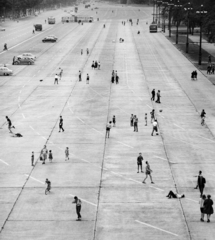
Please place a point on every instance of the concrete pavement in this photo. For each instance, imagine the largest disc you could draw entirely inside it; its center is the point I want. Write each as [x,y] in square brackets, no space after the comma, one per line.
[103,172]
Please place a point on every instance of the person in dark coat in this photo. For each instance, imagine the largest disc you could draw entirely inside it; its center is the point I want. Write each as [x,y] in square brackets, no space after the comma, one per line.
[208,207]
[112,79]
[200,183]
[153,95]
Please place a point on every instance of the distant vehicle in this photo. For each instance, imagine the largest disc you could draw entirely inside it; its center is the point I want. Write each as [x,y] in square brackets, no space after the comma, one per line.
[84,19]
[2,29]
[49,39]
[96,8]
[5,71]
[52,36]
[38,27]
[153,28]
[51,20]
[28,55]
[23,60]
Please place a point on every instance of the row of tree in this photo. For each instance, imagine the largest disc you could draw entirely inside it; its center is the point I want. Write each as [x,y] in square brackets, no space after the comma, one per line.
[16,6]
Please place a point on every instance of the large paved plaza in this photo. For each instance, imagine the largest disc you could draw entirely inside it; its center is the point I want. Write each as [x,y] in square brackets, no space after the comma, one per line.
[102,171]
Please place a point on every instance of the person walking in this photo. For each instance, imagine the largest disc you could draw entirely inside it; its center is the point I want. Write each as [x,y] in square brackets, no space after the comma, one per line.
[139,163]
[152,113]
[33,31]
[61,124]
[93,65]
[209,59]
[155,127]
[148,173]
[87,51]
[79,76]
[88,79]
[117,79]
[202,115]
[14,58]
[50,156]
[114,121]
[78,202]
[135,123]
[208,207]
[112,78]
[56,78]
[81,51]
[201,183]
[60,73]
[99,65]
[66,154]
[108,127]
[145,119]
[43,154]
[153,95]
[32,159]
[158,97]
[201,203]
[9,123]
[132,120]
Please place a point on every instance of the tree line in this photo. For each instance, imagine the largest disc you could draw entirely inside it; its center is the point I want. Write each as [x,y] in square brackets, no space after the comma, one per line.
[15,6]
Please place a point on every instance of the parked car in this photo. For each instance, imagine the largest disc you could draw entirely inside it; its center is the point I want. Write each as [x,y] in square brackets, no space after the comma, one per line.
[28,55]
[5,71]
[2,29]
[23,60]
[49,39]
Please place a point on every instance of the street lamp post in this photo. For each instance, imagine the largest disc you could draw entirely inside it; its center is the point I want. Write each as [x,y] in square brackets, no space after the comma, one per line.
[201,12]
[178,8]
[170,4]
[188,9]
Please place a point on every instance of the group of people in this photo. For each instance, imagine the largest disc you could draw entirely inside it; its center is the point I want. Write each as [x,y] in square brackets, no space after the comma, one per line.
[114,77]
[194,75]
[148,169]
[96,65]
[87,51]
[58,76]
[211,69]
[47,154]
[158,100]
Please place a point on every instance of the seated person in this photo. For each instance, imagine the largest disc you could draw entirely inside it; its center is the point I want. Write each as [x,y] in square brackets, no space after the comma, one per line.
[171,194]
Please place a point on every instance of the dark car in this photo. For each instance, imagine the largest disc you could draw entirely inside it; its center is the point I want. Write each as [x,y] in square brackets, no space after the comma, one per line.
[23,60]
[38,27]
[49,39]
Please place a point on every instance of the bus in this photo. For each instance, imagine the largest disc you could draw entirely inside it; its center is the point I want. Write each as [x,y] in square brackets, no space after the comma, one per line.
[153,28]
[51,20]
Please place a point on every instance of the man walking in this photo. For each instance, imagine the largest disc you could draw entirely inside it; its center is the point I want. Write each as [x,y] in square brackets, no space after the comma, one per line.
[201,183]
[61,124]
[148,172]
[32,159]
[153,95]
[66,154]
[88,78]
[108,127]
[77,201]
[9,124]
[135,123]
[158,97]
[132,120]
[139,163]
[56,79]
[117,79]
[152,115]
[155,127]
[79,76]
[61,73]
[43,154]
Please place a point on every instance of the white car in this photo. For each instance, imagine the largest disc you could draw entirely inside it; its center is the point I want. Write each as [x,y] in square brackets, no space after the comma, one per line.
[5,71]
[52,36]
[27,55]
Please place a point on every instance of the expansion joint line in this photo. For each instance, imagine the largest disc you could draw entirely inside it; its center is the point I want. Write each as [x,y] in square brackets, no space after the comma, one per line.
[100,184]
[165,150]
